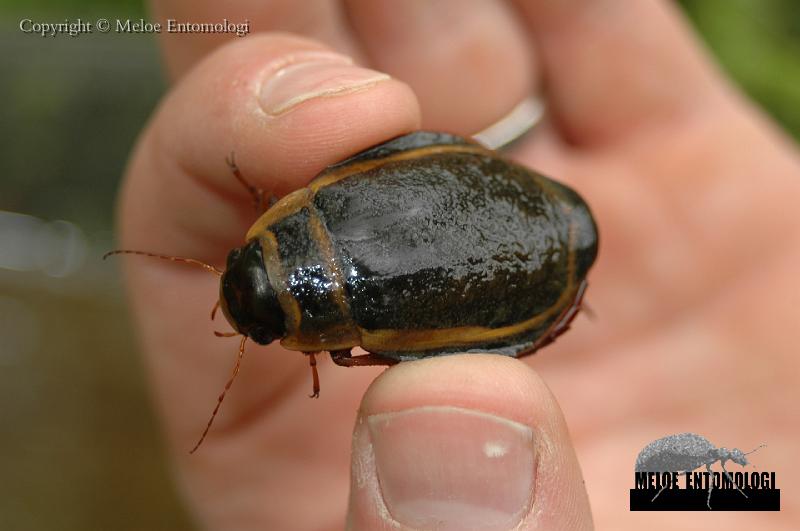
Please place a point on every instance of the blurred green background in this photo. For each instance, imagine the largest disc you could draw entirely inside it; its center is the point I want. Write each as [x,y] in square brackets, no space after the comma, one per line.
[79,444]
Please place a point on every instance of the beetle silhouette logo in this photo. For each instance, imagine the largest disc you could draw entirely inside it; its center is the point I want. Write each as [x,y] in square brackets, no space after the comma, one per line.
[685,452]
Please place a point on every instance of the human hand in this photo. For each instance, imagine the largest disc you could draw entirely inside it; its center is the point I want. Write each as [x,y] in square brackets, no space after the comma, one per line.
[692,292]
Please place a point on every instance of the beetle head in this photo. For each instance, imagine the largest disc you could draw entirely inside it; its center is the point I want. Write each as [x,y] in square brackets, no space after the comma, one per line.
[247,298]
[737,456]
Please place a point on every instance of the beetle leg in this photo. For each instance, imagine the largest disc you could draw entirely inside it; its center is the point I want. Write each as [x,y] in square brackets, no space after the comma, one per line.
[312,361]
[731,479]
[344,359]
[710,485]
[261,200]
[561,324]
[659,492]
[337,355]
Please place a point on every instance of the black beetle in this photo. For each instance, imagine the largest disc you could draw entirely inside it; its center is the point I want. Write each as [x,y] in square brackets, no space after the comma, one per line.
[685,452]
[425,245]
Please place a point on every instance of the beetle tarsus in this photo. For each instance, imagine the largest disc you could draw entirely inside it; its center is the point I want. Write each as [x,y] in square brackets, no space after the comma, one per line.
[659,492]
[312,361]
[710,485]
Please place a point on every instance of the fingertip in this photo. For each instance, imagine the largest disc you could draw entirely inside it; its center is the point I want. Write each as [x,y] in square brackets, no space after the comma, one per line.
[470,441]
[486,382]
[285,105]
[469,62]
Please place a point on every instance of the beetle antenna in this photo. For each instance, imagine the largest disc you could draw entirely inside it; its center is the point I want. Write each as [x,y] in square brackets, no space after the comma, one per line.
[760,446]
[222,396]
[192,261]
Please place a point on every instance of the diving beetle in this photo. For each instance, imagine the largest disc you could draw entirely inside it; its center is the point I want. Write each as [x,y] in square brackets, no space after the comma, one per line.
[425,245]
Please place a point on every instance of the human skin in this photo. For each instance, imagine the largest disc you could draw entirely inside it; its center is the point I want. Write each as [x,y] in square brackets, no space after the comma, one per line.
[695,288]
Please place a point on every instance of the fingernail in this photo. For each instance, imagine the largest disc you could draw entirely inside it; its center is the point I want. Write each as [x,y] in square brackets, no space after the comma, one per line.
[448,468]
[305,76]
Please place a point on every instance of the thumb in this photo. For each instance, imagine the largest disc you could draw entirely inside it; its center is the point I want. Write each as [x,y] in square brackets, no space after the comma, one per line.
[464,442]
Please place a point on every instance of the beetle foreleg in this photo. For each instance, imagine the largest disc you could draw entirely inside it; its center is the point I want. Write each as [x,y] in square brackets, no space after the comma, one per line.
[731,479]
[659,492]
[312,361]
[344,359]
[261,200]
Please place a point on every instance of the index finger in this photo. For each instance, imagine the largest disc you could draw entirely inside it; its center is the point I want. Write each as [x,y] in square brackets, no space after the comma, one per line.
[286,106]
[615,68]
[321,20]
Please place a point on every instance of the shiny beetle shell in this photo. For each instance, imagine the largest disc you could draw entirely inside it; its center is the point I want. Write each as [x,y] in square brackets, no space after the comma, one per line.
[425,245]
